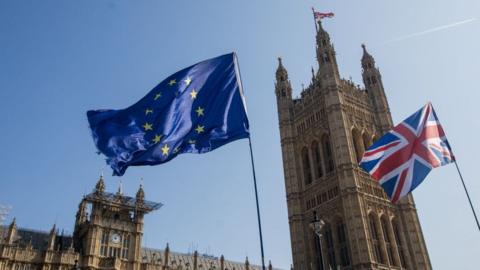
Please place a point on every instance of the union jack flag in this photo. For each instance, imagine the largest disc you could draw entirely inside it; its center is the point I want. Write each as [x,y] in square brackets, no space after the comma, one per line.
[320,15]
[402,158]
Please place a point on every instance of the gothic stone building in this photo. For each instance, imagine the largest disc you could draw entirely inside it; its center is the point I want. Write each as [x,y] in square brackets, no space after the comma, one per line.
[107,236]
[323,136]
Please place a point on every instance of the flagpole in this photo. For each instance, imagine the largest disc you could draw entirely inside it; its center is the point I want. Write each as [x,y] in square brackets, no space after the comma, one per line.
[253,169]
[314,19]
[256,199]
[468,196]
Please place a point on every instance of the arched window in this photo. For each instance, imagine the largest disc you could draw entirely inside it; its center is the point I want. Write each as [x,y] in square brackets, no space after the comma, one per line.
[327,154]
[400,247]
[375,238]
[331,260]
[357,144]
[317,159]
[343,243]
[388,242]
[325,58]
[307,171]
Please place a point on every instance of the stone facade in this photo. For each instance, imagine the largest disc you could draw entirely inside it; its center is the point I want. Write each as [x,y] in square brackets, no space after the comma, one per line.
[108,235]
[323,135]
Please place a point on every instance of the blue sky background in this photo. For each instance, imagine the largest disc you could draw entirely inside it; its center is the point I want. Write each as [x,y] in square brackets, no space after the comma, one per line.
[59,59]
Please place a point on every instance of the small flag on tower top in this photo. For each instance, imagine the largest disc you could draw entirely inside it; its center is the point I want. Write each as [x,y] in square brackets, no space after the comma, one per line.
[321,15]
[403,157]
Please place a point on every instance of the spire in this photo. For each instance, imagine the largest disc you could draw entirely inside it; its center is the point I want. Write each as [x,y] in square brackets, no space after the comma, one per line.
[367,59]
[270,267]
[100,186]
[326,57]
[247,264]
[282,73]
[166,255]
[14,223]
[283,87]
[141,195]
[12,231]
[51,237]
[222,263]
[120,189]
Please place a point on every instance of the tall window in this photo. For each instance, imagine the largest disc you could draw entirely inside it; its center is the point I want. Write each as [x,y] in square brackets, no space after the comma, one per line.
[104,244]
[388,243]
[332,262]
[307,171]
[125,246]
[375,239]
[318,159]
[343,244]
[400,247]
[327,154]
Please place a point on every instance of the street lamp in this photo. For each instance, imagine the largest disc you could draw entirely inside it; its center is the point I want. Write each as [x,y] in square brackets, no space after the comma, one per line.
[317,225]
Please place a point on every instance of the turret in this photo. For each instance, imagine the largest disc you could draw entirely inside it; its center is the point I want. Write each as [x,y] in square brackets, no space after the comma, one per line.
[373,83]
[52,237]
[327,61]
[82,212]
[100,186]
[247,264]
[140,195]
[283,91]
[166,255]
[12,232]
[283,88]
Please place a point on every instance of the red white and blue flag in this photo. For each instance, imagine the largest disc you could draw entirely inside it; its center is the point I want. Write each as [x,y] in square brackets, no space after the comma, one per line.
[320,15]
[402,158]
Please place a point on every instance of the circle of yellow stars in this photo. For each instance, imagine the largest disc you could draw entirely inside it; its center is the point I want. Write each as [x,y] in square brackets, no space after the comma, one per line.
[199,111]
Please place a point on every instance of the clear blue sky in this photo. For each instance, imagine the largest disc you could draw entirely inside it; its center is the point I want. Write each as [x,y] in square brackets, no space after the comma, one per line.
[60,58]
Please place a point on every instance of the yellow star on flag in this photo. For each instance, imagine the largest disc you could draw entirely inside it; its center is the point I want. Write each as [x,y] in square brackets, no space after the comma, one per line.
[157,138]
[147,126]
[147,111]
[157,96]
[200,129]
[165,150]
[193,94]
[172,82]
[200,111]
[188,81]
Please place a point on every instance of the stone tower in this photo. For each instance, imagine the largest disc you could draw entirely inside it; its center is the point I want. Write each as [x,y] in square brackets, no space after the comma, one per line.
[109,229]
[324,133]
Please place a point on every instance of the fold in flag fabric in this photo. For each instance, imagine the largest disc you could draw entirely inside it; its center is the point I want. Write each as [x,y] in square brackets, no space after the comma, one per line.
[195,110]
[402,158]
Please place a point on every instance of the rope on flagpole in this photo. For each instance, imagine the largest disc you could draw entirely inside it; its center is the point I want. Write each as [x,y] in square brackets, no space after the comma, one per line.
[468,196]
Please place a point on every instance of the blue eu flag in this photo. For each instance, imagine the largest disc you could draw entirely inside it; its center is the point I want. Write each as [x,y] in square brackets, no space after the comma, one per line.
[195,110]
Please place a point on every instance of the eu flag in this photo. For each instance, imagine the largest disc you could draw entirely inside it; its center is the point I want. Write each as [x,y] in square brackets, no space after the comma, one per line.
[195,110]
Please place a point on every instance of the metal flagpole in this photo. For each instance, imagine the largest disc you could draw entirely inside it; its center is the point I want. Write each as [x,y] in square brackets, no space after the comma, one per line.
[256,199]
[468,196]
[253,169]
[315,19]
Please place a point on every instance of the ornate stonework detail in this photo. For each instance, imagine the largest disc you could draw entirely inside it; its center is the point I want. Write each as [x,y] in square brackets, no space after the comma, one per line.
[107,236]
[324,133]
